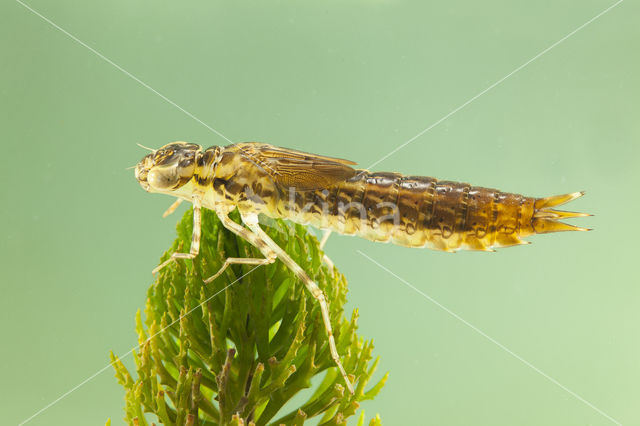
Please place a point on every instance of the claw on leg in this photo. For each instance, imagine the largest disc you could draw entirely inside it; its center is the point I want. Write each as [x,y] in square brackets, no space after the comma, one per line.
[162,265]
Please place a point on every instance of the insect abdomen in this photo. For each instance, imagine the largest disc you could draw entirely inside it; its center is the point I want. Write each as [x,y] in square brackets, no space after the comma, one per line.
[419,211]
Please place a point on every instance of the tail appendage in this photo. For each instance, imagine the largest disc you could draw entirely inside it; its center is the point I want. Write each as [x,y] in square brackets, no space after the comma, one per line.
[546,219]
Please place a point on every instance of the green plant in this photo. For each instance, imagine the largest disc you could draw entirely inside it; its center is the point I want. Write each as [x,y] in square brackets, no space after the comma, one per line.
[235,351]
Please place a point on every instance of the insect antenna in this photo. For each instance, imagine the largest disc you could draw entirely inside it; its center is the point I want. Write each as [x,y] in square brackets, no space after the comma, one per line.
[147,148]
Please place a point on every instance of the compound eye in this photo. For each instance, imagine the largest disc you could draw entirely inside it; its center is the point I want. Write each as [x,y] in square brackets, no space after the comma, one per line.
[160,178]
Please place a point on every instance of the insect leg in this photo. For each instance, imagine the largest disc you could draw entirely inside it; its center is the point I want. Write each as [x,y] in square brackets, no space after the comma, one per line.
[195,238]
[251,238]
[252,222]
[323,241]
[172,207]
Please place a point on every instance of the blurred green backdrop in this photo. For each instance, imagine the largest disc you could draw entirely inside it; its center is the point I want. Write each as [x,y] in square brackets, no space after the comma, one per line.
[353,79]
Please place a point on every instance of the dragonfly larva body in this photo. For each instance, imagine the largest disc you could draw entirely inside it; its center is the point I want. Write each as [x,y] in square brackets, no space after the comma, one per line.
[413,211]
[329,193]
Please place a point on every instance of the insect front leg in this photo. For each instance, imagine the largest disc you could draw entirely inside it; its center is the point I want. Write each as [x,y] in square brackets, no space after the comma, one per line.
[195,237]
[323,241]
[172,208]
[251,238]
[252,222]
[325,238]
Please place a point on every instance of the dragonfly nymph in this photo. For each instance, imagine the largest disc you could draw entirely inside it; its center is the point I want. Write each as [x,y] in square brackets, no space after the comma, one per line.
[330,194]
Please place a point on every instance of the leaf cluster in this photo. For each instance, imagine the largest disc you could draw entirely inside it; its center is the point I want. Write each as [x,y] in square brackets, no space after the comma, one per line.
[236,350]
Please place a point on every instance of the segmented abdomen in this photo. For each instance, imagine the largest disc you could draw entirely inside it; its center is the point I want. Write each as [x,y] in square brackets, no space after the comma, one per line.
[419,211]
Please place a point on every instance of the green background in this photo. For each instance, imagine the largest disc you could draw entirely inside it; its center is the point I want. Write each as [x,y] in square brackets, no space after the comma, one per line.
[353,79]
